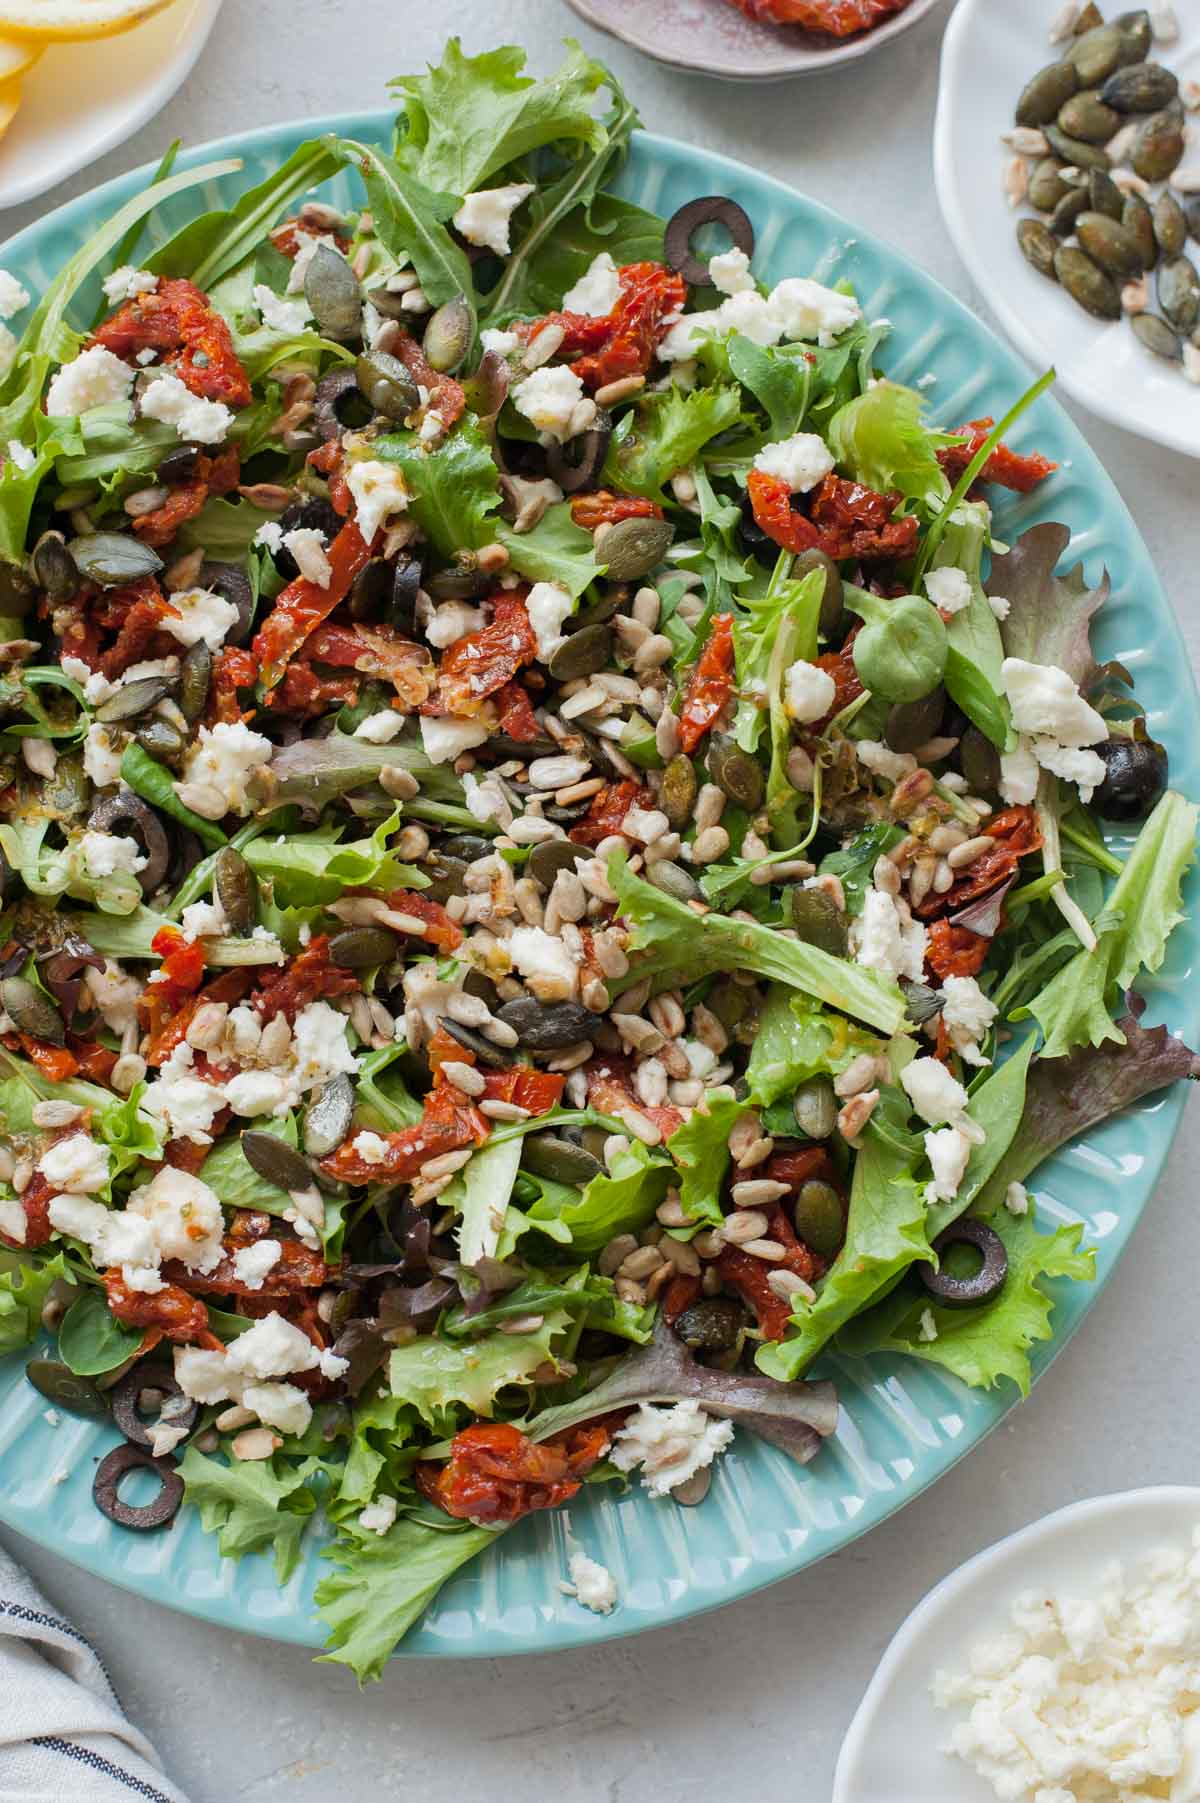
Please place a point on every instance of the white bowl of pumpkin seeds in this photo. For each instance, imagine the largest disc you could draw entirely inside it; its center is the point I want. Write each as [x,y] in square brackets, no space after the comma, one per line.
[1067,160]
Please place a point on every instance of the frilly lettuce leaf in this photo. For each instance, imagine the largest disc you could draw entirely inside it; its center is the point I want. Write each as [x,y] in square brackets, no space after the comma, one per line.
[982,1345]
[130,1135]
[479,1195]
[795,1039]
[308,868]
[454,488]
[1050,616]
[758,622]
[410,220]
[700,1149]
[383,1090]
[779,380]
[24,1286]
[435,1375]
[664,433]
[556,550]
[252,1505]
[60,870]
[879,438]
[1132,932]
[621,1199]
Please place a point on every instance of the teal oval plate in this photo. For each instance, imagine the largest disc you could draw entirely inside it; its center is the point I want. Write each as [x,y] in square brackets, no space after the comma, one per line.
[903,1424]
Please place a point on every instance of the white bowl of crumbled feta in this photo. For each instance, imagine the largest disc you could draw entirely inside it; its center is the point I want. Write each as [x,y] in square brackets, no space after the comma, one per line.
[1060,1666]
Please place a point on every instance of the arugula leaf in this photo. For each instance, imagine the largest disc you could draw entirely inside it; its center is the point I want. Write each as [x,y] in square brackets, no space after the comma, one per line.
[620,1200]
[468,117]
[383,1583]
[91,1341]
[411,221]
[251,1505]
[1142,911]
[700,1149]
[629,234]
[19,488]
[982,1345]
[556,550]
[975,650]
[24,1287]
[779,380]
[454,488]
[207,248]
[306,868]
[881,440]
[666,432]
[433,1374]
[683,942]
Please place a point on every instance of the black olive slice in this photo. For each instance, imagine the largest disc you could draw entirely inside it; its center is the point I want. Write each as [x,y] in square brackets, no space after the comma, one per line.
[711,209]
[107,1482]
[983,1285]
[125,1396]
[1135,775]
[577,464]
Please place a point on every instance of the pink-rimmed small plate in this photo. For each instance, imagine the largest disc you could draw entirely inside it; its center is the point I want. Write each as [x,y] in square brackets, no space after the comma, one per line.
[712,37]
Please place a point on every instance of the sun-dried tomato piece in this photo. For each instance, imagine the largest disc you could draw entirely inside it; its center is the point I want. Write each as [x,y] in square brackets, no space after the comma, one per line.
[709,686]
[749,1275]
[607,810]
[297,1269]
[1007,468]
[377,651]
[301,607]
[308,977]
[93,1061]
[177,1315]
[135,612]
[440,931]
[212,476]
[167,1025]
[835,18]
[497,1474]
[234,668]
[449,1123]
[35,1200]
[538,1091]
[603,508]
[771,501]
[1016,834]
[179,321]
[182,969]
[483,662]
[847,685]
[329,460]
[446,396]
[811,1164]
[954,951]
[515,715]
[856,521]
[678,1296]
[54,1062]
[306,694]
[623,342]
[610,1088]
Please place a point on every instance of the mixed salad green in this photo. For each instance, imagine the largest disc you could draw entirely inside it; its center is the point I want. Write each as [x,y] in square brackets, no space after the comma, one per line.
[551,865]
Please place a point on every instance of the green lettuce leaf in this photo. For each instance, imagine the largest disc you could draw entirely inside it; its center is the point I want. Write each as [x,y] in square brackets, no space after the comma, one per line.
[665,433]
[252,1504]
[91,1341]
[454,488]
[382,1427]
[557,550]
[208,248]
[129,1134]
[479,1195]
[693,945]
[629,234]
[383,1090]
[468,117]
[620,1200]
[1142,911]
[383,1583]
[796,1039]
[983,1345]
[975,650]
[307,868]
[24,1286]
[758,622]
[434,1374]
[778,379]
[410,220]
[879,439]
[229,1173]
[155,784]
[700,1149]
[795,639]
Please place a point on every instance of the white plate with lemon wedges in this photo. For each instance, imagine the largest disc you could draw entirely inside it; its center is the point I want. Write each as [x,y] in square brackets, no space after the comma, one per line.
[80,76]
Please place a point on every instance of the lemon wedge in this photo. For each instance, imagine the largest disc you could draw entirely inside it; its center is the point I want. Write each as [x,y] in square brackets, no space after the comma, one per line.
[17,55]
[55,21]
[10,100]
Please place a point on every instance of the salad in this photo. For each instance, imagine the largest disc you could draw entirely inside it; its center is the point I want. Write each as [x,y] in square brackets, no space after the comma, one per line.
[551,862]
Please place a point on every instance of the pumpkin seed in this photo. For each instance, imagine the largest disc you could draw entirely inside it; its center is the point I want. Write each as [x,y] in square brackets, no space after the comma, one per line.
[1046,92]
[603,608]
[1139,88]
[195,675]
[275,1161]
[466,845]
[1109,244]
[1170,225]
[1075,151]
[1179,294]
[735,772]
[680,787]
[111,558]
[236,890]
[1086,116]
[549,856]
[67,793]
[832,596]
[53,566]
[713,1325]
[581,653]
[328,1117]
[547,1026]
[160,739]
[815,1108]
[912,723]
[362,948]
[31,1011]
[446,877]
[632,548]
[1104,196]
[819,921]
[1095,55]
[1046,185]
[546,1155]
[1191,212]
[387,385]
[820,1217]
[1072,204]
[1157,336]
[133,699]
[1038,245]
[673,879]
[332,291]
[59,1384]
[1087,283]
[498,1057]
[1158,148]
[1137,35]
[1138,221]
[448,335]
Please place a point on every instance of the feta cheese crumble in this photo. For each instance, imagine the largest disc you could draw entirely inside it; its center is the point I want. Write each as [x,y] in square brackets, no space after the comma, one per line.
[444,740]
[729,271]
[933,1092]
[378,1516]
[548,605]
[967,1014]
[172,401]
[93,379]
[808,692]
[947,1149]
[380,728]
[545,962]
[379,491]
[801,461]
[881,939]
[552,399]
[127,283]
[949,590]
[669,1444]
[484,217]
[13,295]
[596,291]
[199,614]
[591,1584]
[77,1163]
[227,756]
[307,546]
[281,315]
[1058,724]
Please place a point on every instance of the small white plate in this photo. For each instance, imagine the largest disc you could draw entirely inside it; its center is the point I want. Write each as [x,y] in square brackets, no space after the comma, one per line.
[891,1750]
[989,53]
[711,37]
[79,100]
